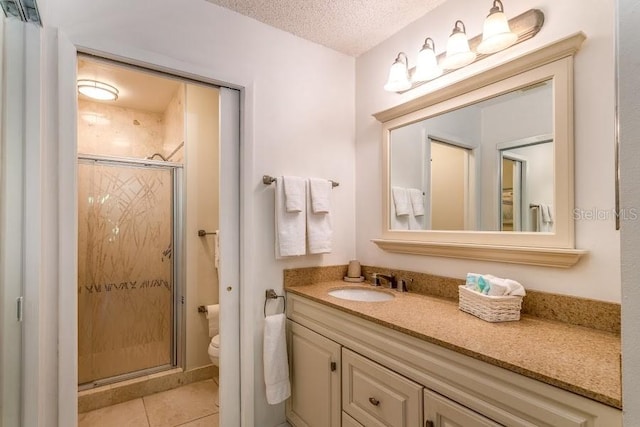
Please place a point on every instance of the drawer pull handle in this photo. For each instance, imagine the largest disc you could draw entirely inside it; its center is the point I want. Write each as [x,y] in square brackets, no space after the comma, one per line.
[374,401]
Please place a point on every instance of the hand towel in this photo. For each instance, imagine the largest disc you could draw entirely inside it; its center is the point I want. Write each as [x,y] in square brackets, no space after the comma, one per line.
[294,193]
[320,190]
[417,205]
[276,364]
[401,201]
[213,316]
[290,226]
[319,230]
[545,213]
[549,210]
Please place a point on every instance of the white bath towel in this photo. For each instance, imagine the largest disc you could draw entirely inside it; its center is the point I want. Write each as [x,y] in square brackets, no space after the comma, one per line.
[401,201]
[417,204]
[213,316]
[320,190]
[319,230]
[398,222]
[294,193]
[276,363]
[290,226]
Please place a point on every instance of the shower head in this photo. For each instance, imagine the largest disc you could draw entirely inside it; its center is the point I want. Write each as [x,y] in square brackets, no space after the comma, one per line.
[156,154]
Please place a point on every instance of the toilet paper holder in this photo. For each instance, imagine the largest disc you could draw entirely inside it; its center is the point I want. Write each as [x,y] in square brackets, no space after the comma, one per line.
[270,294]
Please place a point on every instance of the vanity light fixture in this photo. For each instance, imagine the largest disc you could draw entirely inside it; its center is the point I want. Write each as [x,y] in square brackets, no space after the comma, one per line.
[97,90]
[458,52]
[496,34]
[426,64]
[399,74]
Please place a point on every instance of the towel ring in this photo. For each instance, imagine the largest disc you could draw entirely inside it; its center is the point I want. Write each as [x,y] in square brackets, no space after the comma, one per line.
[271,294]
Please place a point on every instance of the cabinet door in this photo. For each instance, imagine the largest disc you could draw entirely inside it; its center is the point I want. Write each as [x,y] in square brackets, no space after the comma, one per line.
[442,412]
[314,371]
[347,421]
[376,396]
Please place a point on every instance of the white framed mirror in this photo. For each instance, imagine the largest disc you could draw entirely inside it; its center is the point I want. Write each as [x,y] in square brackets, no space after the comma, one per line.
[483,169]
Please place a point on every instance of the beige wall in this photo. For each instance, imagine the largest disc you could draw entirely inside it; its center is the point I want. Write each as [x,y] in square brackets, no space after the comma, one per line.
[202,182]
[173,119]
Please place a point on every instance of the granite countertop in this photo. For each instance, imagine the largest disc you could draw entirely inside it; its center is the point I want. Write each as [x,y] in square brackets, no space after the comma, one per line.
[581,360]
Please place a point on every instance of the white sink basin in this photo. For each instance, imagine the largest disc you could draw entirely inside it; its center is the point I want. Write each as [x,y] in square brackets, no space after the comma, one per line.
[366,295]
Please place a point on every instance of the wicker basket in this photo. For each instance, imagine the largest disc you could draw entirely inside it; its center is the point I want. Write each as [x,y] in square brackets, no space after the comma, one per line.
[490,308]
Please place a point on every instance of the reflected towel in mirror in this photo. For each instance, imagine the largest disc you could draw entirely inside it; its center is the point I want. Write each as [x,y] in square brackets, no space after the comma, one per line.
[401,201]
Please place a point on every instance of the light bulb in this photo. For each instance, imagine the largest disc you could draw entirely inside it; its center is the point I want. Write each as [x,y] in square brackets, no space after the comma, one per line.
[496,34]
[398,75]
[458,53]
[426,64]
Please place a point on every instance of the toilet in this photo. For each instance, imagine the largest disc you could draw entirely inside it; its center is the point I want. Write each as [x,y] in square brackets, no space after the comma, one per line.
[213,318]
[214,350]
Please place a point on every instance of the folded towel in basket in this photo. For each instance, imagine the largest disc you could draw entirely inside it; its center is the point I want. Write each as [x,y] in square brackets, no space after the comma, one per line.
[488,284]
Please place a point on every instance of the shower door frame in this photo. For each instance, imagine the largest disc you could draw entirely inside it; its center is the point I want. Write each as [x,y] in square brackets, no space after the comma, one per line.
[177,274]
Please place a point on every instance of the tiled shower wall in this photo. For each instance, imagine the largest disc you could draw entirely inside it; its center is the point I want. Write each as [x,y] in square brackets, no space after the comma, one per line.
[105,129]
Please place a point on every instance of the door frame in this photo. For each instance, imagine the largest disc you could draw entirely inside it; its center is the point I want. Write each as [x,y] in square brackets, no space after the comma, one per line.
[59,213]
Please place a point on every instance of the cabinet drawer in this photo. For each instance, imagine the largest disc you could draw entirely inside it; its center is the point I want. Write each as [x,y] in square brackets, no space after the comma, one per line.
[375,396]
[347,421]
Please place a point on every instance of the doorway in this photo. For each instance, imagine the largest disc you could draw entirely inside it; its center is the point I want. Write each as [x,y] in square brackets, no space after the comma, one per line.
[449,186]
[160,172]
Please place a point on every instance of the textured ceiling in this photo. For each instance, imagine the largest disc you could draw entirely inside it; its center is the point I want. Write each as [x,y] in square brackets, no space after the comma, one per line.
[348,26]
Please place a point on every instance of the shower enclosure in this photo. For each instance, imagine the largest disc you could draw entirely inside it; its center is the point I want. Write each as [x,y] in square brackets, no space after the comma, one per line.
[128,216]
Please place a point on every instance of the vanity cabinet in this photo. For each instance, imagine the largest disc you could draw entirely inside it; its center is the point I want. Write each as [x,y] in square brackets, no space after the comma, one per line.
[384,377]
[314,366]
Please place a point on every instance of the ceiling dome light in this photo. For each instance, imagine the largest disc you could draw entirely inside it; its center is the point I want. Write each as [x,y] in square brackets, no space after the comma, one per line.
[97,90]
[496,34]
[426,64]
[458,52]
[399,75]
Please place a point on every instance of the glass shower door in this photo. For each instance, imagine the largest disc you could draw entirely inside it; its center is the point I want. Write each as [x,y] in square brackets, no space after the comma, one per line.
[125,269]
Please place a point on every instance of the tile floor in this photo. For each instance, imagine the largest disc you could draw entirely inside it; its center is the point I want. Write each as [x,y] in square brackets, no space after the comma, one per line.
[192,405]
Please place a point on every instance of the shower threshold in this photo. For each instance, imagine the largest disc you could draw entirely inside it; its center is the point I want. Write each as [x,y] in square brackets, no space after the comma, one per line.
[125,377]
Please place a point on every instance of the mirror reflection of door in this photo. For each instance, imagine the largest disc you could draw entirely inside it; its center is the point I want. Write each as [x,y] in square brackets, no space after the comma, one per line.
[449,186]
[511,190]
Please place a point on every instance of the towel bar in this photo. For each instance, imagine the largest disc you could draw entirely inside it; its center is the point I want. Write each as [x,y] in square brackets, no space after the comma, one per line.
[268,180]
[271,294]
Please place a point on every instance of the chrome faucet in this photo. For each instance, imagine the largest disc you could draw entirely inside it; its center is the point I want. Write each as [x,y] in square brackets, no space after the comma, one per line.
[389,278]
